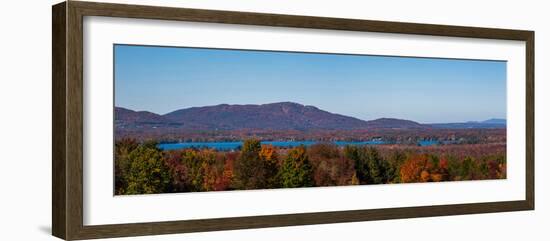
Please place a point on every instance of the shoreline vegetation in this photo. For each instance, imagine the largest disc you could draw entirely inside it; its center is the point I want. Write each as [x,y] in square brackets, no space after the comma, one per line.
[141,167]
[388,135]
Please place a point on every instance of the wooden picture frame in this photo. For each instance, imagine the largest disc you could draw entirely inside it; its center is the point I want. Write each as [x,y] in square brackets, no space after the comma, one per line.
[67,123]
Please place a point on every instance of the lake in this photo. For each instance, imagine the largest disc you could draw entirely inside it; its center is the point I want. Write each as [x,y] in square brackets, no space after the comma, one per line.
[227,146]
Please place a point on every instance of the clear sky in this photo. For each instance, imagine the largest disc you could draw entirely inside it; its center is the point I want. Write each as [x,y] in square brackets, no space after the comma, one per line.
[426,90]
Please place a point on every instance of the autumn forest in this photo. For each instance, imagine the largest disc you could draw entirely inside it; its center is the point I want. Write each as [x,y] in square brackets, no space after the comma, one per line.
[143,168]
[190,119]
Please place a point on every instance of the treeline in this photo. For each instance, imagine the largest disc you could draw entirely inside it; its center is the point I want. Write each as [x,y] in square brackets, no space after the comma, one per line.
[142,168]
[399,136]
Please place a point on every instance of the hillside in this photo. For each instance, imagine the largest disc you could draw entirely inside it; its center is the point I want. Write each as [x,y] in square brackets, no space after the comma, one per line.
[274,116]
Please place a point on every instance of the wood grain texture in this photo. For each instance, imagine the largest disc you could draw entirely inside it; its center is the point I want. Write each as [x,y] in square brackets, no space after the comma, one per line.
[530,120]
[279,20]
[74,110]
[67,78]
[59,192]
[121,230]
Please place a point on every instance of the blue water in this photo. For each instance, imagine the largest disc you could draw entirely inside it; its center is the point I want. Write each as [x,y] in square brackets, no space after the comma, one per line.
[428,143]
[226,146]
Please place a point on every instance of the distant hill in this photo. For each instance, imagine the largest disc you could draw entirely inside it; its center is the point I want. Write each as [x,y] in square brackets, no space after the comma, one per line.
[394,124]
[124,115]
[276,116]
[495,121]
[491,123]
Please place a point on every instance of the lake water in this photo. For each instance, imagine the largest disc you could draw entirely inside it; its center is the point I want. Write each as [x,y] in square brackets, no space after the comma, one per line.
[226,146]
[428,143]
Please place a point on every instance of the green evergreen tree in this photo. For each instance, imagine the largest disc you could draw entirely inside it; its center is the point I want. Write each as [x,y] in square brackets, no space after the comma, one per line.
[353,153]
[370,167]
[249,169]
[396,159]
[377,167]
[468,170]
[454,168]
[194,170]
[296,170]
[123,148]
[147,172]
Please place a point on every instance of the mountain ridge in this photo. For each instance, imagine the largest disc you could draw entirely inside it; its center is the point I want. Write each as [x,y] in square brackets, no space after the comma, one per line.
[277,116]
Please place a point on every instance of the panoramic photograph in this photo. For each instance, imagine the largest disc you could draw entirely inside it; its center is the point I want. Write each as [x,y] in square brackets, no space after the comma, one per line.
[202,119]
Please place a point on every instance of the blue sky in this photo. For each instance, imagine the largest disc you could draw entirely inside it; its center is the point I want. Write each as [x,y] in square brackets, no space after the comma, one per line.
[427,90]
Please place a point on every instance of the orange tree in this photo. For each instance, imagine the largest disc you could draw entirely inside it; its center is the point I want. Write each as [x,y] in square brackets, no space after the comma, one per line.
[270,160]
[423,168]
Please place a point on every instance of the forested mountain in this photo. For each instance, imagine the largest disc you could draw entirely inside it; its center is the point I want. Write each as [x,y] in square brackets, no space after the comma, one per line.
[275,116]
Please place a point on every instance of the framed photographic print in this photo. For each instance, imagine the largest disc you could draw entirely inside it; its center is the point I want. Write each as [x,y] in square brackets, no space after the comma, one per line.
[170,120]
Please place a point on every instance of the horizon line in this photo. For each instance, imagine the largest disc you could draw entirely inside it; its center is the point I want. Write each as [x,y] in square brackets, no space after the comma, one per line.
[428,123]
